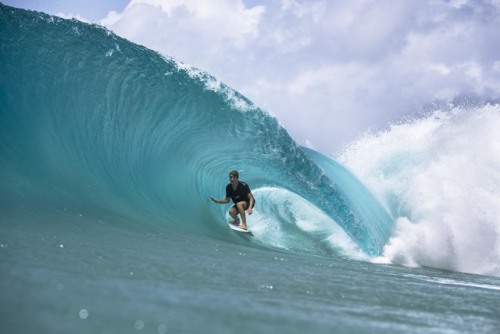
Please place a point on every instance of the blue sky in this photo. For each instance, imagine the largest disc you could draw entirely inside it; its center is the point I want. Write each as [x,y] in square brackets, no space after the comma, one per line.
[328,70]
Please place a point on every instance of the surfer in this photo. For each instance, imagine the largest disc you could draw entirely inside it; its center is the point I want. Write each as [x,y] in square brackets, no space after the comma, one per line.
[242,197]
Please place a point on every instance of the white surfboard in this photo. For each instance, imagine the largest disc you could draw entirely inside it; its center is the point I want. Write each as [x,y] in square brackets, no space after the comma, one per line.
[237,229]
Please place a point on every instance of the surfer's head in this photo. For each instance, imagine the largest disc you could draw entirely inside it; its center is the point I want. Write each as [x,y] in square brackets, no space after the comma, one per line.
[234,175]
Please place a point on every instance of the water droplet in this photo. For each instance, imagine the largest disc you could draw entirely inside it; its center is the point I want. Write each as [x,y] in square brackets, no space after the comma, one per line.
[162,329]
[266,286]
[84,314]
[139,324]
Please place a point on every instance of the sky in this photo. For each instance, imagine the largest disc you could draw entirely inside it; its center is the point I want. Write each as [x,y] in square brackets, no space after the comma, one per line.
[329,71]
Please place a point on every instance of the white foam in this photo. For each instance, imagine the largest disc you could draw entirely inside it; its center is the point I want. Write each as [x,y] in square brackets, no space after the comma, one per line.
[441,175]
[212,84]
[285,220]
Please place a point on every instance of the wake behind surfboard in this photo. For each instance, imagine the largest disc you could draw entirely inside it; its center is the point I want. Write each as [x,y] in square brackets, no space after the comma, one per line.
[237,229]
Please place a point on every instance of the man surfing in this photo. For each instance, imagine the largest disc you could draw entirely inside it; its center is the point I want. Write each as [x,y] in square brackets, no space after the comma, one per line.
[242,197]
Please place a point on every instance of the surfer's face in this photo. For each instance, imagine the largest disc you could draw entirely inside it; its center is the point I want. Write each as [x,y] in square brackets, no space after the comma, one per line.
[233,178]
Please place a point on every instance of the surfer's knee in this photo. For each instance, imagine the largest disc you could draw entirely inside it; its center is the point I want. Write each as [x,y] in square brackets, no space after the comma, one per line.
[241,205]
[233,212]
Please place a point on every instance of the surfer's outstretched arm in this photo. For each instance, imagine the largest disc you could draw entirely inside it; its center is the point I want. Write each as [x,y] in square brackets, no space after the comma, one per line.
[220,201]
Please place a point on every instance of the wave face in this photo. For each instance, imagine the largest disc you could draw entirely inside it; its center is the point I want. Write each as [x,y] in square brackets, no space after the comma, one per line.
[92,123]
[439,175]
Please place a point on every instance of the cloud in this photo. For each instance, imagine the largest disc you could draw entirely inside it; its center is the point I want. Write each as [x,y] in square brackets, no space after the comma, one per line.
[191,25]
[330,70]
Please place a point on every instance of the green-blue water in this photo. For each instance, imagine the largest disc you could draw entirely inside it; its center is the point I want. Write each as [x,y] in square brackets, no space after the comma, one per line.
[108,155]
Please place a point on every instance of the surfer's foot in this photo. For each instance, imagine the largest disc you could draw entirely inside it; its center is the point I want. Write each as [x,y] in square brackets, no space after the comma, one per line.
[235,222]
[243,227]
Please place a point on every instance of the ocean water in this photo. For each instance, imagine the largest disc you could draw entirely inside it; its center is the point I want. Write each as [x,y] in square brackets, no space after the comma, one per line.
[109,153]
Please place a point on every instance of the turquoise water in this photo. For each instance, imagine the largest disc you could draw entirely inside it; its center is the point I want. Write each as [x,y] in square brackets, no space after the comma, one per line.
[108,155]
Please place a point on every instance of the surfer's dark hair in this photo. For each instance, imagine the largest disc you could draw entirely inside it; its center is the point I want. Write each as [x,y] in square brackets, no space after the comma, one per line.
[235,173]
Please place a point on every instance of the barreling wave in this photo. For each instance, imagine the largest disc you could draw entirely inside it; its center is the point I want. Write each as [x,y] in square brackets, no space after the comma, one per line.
[92,122]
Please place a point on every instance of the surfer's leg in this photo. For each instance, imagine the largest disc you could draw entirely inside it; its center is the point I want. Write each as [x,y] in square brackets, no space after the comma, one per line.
[241,206]
[233,212]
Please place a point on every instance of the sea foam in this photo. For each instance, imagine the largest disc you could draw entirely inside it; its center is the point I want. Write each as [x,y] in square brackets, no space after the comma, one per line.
[439,175]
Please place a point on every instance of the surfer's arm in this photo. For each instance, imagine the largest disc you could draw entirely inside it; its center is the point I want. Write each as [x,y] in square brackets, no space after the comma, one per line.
[250,204]
[220,201]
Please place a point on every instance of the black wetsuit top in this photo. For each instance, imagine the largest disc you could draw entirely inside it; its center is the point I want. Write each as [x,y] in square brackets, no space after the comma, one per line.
[240,194]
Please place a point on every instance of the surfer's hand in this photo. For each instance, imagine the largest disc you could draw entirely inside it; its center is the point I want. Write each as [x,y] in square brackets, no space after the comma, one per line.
[249,211]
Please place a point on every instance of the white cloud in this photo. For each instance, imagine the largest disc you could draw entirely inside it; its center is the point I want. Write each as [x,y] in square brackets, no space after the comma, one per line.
[111,19]
[329,70]
[221,23]
[301,10]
